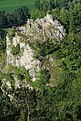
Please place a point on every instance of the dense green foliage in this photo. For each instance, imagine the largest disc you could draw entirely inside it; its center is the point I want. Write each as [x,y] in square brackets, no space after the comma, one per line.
[15,50]
[42,78]
[68,12]
[44,102]
[45,48]
[18,17]
[2,40]
[21,73]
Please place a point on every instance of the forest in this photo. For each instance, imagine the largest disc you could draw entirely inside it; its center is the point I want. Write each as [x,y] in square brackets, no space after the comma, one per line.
[45,102]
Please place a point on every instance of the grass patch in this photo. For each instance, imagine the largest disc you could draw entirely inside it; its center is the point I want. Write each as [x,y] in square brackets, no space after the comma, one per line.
[11,5]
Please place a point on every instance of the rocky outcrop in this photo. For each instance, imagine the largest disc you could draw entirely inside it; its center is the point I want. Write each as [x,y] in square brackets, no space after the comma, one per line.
[25,56]
[42,28]
[38,30]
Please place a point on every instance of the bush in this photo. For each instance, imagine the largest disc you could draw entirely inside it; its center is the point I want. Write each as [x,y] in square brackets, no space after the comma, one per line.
[15,50]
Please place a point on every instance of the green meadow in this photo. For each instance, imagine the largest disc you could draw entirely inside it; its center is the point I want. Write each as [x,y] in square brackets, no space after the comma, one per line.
[10,5]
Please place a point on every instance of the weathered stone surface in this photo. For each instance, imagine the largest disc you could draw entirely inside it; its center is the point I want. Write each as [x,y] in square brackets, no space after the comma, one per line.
[25,58]
[38,30]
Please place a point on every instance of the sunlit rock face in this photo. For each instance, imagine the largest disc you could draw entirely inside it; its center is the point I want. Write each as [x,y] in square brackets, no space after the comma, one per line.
[38,30]
[24,58]
[42,28]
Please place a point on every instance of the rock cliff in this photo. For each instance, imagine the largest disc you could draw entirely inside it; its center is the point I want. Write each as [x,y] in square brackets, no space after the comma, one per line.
[38,30]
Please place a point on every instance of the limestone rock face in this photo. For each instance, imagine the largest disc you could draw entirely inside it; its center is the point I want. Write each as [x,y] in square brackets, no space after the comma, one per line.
[24,58]
[42,28]
[38,30]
